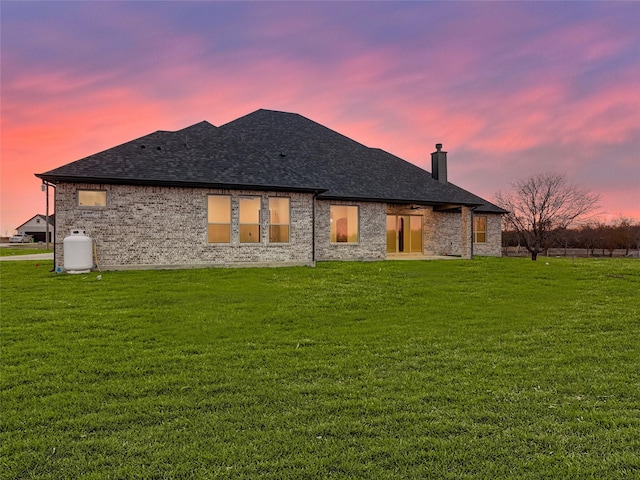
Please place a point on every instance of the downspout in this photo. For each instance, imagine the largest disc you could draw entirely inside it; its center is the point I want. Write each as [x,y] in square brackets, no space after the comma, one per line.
[55,229]
[48,184]
[472,232]
[313,229]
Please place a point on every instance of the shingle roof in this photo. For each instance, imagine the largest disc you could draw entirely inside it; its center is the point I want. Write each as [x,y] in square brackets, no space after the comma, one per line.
[266,150]
[199,155]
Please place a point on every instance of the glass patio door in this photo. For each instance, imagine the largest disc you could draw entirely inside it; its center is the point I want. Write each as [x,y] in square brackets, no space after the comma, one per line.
[404,233]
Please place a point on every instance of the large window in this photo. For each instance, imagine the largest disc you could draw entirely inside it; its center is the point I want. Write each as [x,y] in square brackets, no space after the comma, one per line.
[279,215]
[480,229]
[249,219]
[219,213]
[344,224]
[92,198]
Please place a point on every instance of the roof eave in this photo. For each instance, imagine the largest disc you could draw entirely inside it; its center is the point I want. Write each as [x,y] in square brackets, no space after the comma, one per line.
[397,201]
[496,210]
[167,183]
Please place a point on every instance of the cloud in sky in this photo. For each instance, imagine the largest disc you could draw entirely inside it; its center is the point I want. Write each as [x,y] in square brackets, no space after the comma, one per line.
[510,89]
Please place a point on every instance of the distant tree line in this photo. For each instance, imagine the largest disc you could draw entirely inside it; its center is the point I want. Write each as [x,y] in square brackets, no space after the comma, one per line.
[595,238]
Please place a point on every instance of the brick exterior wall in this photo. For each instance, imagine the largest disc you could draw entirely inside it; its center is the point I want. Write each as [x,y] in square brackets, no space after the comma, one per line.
[443,235]
[166,227]
[493,246]
[372,244]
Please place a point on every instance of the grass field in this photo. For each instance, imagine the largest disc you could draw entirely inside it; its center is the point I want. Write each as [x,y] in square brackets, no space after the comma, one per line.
[10,251]
[490,368]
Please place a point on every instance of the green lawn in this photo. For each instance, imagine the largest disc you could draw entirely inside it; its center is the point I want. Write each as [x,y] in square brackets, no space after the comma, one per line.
[491,368]
[9,251]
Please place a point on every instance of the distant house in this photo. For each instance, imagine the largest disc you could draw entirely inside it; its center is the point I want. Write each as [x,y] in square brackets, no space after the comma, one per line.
[270,188]
[36,226]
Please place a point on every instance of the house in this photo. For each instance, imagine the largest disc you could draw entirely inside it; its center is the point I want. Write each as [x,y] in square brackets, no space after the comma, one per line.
[270,188]
[36,226]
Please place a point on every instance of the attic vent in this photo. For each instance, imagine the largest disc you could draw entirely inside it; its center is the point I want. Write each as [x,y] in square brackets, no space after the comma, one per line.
[283,154]
[158,148]
[143,146]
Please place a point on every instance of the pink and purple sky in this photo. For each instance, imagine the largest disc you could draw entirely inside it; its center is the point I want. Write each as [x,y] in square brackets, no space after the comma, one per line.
[510,88]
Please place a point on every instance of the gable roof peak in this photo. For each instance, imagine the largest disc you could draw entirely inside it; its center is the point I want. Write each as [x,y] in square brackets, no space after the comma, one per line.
[203,125]
[263,113]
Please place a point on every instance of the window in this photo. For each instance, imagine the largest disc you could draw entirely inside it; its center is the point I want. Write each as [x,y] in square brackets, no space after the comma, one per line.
[479,229]
[344,224]
[279,219]
[219,219]
[92,198]
[249,219]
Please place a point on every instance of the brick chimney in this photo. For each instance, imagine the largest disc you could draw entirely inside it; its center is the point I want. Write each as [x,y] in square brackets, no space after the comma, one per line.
[439,164]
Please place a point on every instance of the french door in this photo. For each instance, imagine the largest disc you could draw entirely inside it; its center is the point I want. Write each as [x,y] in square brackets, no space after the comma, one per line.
[404,233]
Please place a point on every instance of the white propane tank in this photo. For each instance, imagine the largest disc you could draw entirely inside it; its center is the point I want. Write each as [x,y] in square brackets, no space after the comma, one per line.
[78,252]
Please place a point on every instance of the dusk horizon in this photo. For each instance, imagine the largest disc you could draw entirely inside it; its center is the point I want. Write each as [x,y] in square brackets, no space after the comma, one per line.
[510,90]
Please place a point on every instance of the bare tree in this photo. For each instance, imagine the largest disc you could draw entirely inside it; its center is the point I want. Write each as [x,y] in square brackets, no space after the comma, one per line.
[542,203]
